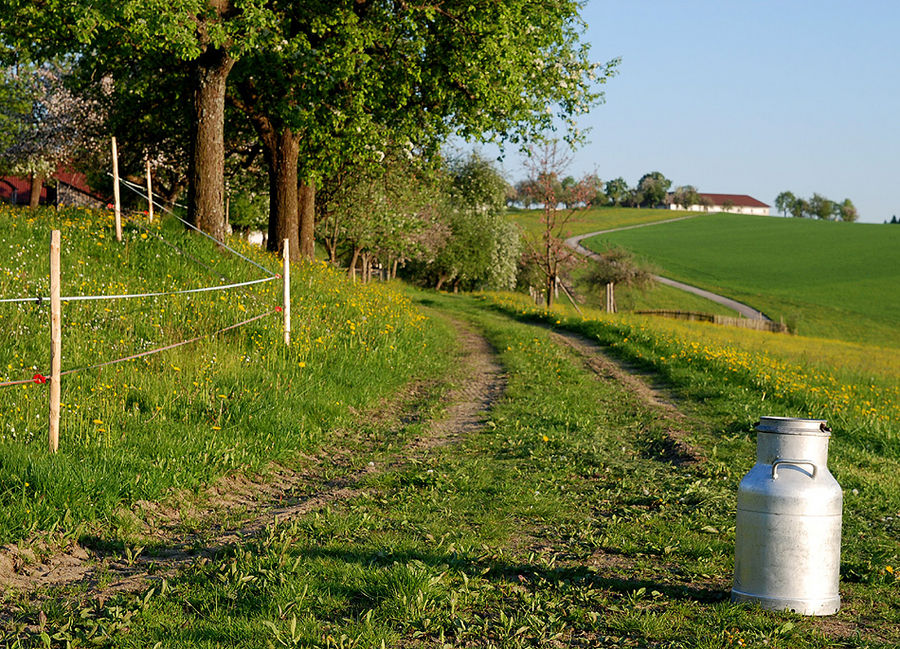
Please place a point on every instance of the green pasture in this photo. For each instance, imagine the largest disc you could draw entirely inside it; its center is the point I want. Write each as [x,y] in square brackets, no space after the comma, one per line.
[566,521]
[628,299]
[834,280]
[594,219]
[177,420]
[654,297]
[569,519]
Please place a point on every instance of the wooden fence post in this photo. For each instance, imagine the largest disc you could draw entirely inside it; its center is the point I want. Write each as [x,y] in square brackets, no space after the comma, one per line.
[115,165]
[149,193]
[55,342]
[286,274]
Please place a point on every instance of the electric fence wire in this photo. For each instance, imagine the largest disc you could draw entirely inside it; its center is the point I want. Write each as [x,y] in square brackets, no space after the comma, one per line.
[39,378]
[137,189]
[74,298]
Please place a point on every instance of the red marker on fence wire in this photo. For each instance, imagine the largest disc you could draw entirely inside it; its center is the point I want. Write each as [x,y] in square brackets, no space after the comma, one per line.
[39,378]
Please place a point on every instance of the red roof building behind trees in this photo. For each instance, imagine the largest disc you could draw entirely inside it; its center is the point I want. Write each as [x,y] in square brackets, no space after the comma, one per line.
[71,188]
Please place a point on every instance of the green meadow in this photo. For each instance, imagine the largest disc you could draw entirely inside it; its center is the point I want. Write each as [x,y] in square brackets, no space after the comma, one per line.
[594,219]
[576,512]
[833,280]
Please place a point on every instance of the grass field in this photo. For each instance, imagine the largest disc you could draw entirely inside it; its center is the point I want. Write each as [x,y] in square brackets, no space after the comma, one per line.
[564,522]
[833,280]
[185,417]
[594,219]
[577,514]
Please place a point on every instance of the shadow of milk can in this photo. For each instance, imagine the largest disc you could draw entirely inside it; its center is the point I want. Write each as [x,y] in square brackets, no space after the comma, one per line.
[787,552]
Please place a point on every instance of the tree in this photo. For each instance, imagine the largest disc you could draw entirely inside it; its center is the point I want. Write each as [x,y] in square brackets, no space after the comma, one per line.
[348,77]
[387,212]
[338,81]
[206,36]
[43,121]
[483,246]
[616,191]
[686,196]
[652,189]
[800,208]
[847,211]
[821,207]
[784,202]
[524,194]
[550,254]
[617,266]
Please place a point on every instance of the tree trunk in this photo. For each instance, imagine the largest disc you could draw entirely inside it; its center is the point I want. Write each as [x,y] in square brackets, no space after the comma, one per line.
[206,173]
[441,279]
[353,260]
[394,269]
[308,220]
[366,267]
[281,152]
[37,184]
[549,291]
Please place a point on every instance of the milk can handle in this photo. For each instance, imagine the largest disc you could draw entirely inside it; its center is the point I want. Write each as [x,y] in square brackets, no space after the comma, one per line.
[784,461]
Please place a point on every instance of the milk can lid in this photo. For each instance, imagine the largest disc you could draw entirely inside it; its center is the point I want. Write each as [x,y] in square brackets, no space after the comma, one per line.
[793,426]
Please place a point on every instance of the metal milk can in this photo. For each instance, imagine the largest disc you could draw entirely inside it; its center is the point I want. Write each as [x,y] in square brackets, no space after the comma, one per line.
[787,552]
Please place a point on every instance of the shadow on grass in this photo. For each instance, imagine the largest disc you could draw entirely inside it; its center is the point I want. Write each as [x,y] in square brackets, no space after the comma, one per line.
[528,575]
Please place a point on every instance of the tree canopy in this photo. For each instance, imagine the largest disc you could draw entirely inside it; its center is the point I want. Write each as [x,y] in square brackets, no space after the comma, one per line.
[326,84]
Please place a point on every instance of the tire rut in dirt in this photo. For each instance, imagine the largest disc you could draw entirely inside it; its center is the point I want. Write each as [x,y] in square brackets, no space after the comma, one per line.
[672,444]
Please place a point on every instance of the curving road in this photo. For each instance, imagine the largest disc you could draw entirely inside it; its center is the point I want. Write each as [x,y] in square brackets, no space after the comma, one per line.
[740,307]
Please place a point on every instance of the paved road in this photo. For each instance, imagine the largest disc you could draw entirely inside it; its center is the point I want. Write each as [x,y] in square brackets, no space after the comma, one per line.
[740,307]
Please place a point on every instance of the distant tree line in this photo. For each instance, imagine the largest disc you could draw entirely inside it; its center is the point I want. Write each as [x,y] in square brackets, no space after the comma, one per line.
[816,207]
[650,191]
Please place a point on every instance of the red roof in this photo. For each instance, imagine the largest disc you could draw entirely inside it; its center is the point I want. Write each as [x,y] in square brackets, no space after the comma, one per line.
[20,188]
[738,200]
[13,187]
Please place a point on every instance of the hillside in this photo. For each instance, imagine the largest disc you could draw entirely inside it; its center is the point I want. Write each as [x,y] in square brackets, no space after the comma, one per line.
[185,417]
[595,218]
[835,280]
[658,296]
[414,468]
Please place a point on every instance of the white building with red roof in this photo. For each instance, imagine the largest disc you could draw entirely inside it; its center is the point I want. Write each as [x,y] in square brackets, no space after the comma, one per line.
[733,203]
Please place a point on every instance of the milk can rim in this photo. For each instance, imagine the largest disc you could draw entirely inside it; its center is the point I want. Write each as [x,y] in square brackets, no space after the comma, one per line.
[793,426]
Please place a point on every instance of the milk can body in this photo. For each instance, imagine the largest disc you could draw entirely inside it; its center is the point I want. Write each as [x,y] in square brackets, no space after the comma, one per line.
[788,532]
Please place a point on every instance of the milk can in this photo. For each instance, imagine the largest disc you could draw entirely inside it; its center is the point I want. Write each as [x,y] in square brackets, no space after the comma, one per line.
[787,551]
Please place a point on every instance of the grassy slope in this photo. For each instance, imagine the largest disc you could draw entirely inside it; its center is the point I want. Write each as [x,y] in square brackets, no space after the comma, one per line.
[835,280]
[657,297]
[183,418]
[561,523]
[597,218]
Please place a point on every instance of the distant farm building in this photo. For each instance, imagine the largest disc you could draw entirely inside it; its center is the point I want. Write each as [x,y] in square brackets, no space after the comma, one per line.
[69,188]
[736,203]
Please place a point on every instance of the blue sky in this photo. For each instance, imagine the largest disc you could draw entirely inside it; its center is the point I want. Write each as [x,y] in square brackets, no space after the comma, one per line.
[749,98]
